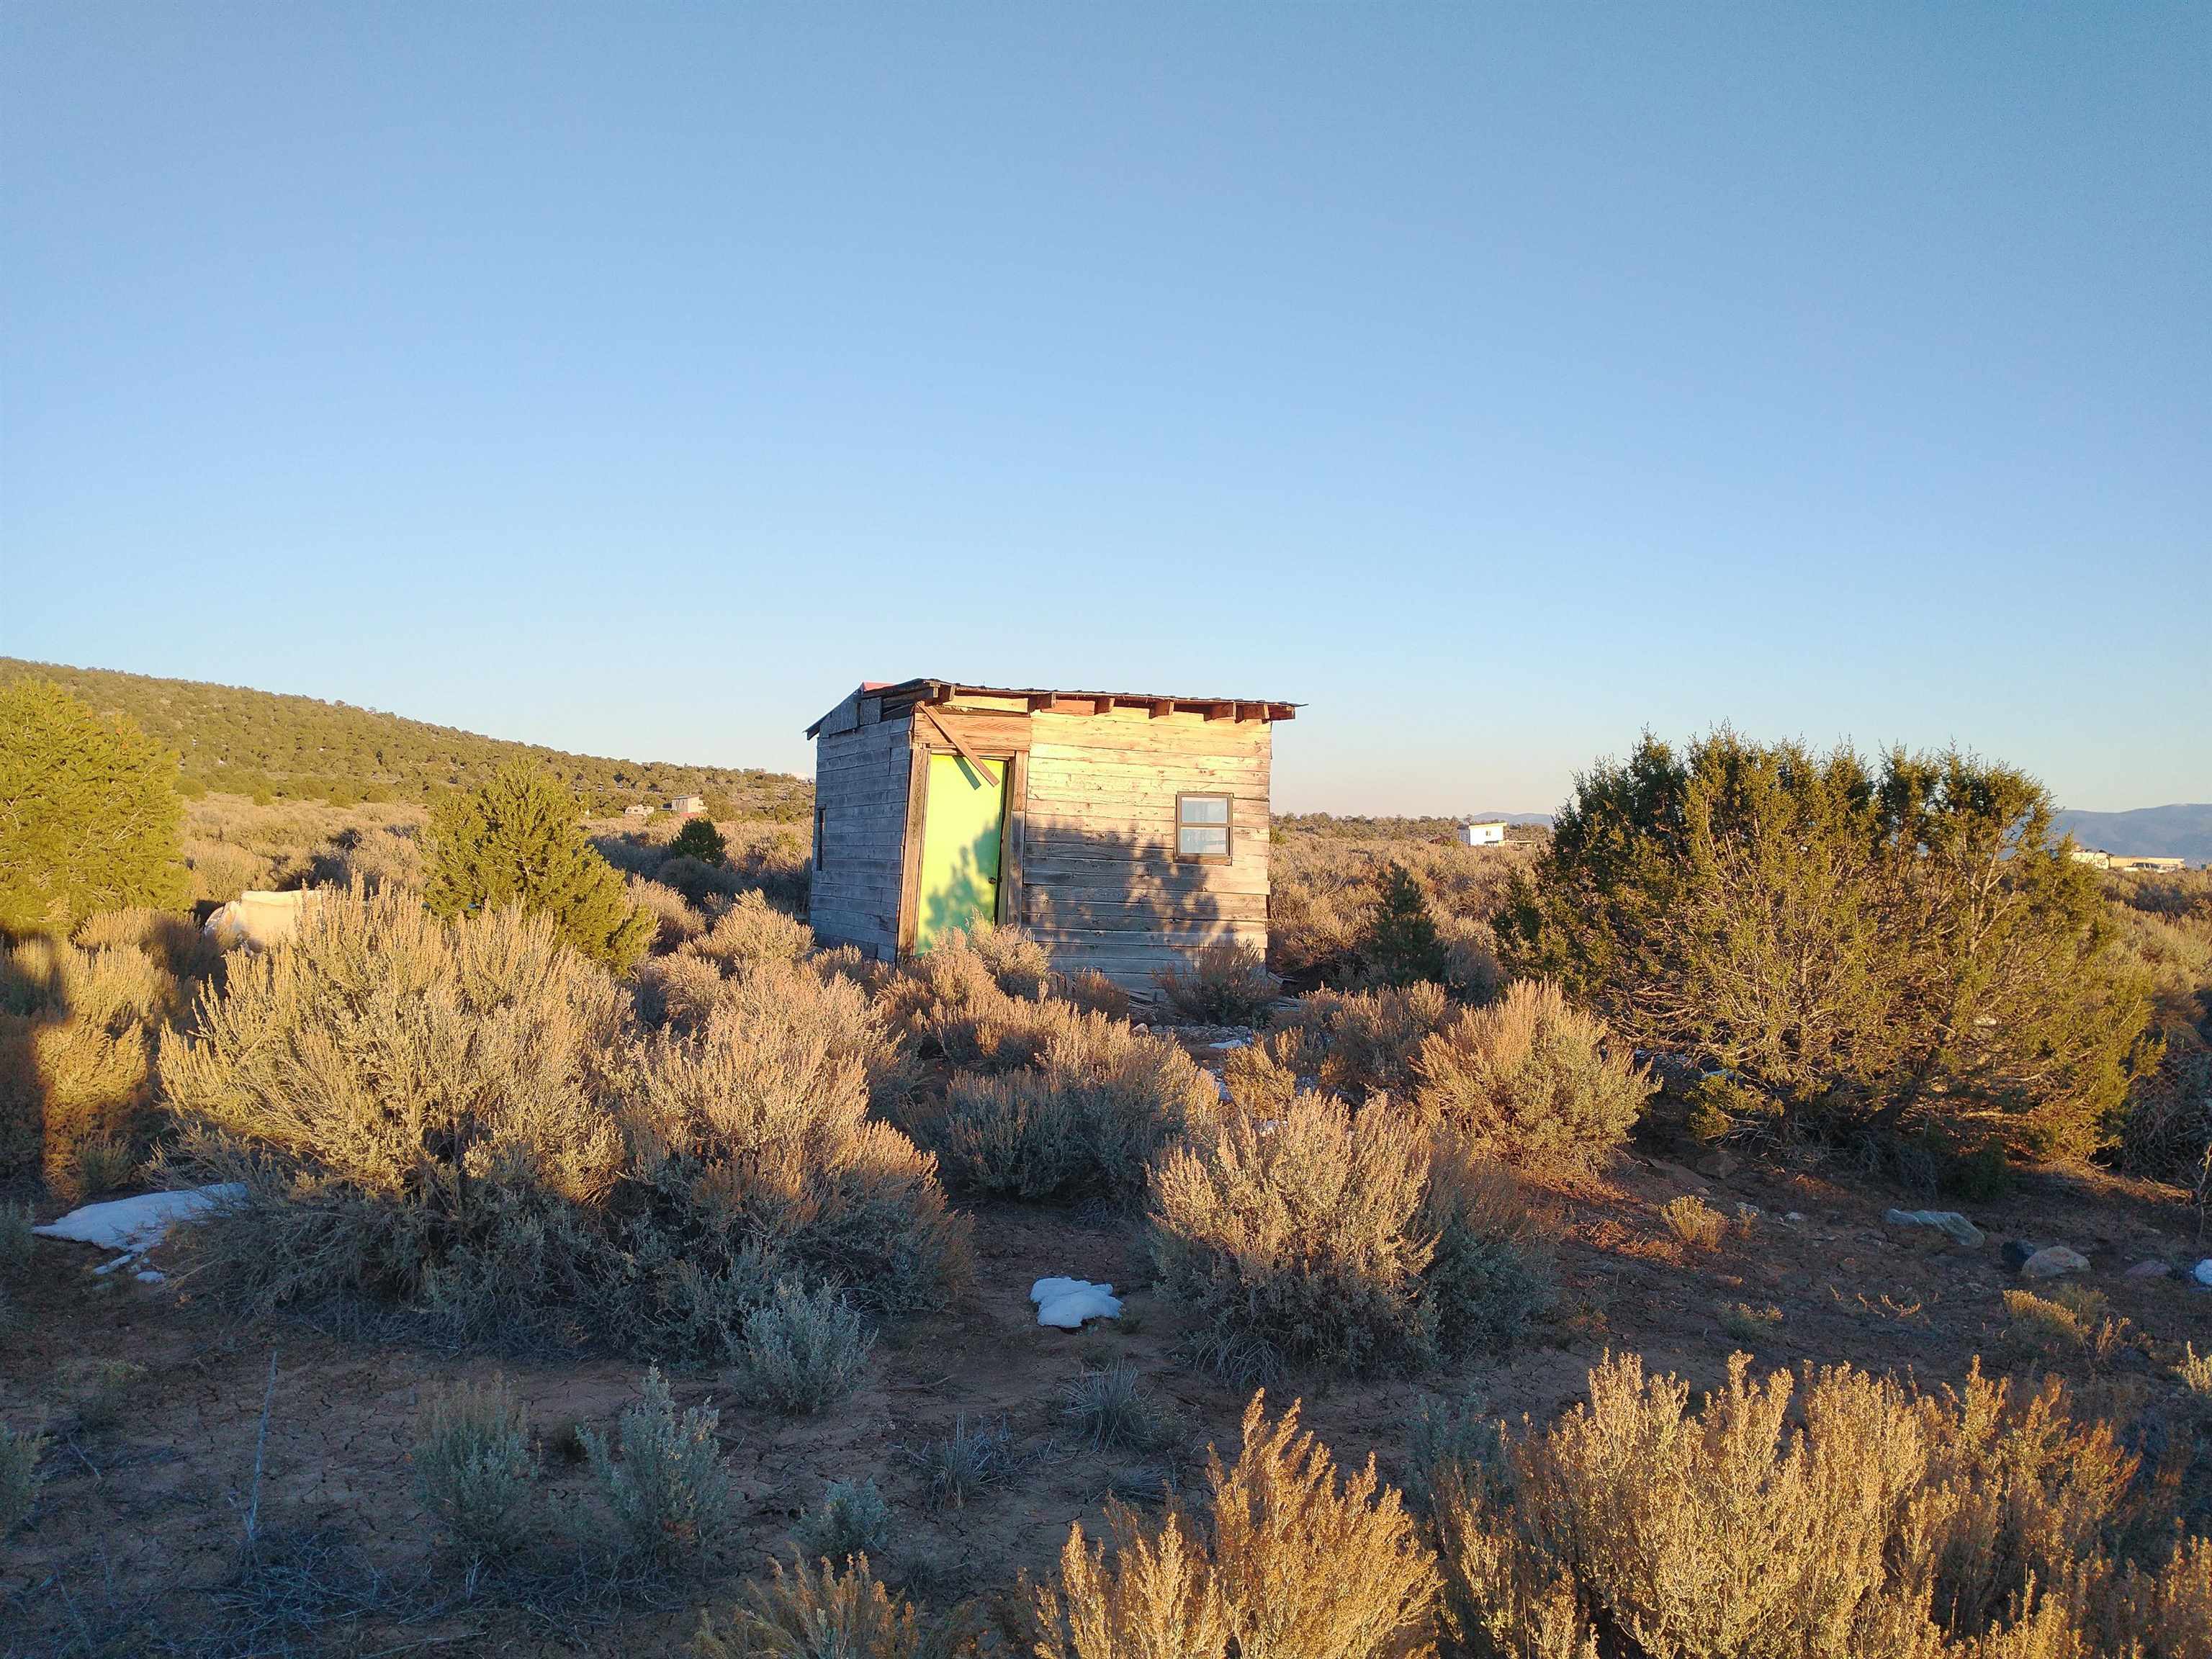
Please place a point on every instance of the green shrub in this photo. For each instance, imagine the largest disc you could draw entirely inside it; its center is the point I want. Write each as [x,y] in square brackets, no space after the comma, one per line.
[1226,985]
[1111,1407]
[852,1519]
[804,1350]
[515,840]
[1531,1080]
[830,1614]
[1446,1437]
[1322,1238]
[670,1494]
[89,817]
[1083,1122]
[1882,946]
[1490,1275]
[1400,946]
[967,1463]
[699,839]
[19,1476]
[474,1466]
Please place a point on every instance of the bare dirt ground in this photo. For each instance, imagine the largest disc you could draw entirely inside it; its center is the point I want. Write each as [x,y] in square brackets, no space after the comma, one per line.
[135,1543]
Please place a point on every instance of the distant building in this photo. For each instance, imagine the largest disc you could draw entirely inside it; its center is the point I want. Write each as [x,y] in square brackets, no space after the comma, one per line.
[637,809]
[1485,832]
[2143,861]
[1125,832]
[2096,855]
[691,806]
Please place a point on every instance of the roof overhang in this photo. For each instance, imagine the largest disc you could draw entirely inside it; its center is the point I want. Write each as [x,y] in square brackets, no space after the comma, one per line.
[906,694]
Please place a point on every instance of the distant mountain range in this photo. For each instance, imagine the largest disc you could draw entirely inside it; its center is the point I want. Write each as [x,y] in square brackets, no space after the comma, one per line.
[2166,832]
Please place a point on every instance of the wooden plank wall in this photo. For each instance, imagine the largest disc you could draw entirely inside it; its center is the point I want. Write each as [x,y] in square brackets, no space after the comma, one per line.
[860,784]
[1101,885]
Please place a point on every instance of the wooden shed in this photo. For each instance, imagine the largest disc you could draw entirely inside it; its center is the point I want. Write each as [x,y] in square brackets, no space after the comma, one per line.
[1125,831]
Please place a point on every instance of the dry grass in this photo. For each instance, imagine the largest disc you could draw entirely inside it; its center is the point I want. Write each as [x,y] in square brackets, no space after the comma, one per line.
[1359,1044]
[1533,1081]
[1083,1122]
[951,1005]
[1319,1238]
[460,1120]
[19,1476]
[78,1030]
[232,845]
[1891,1524]
[1288,1557]
[833,1614]
[1325,889]
[1227,985]
[1694,1222]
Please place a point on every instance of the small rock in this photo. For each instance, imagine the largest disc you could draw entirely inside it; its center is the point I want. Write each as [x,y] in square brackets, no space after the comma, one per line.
[2054,1262]
[1950,1222]
[2150,1270]
[1719,1166]
[2017,1253]
[2202,1272]
[1795,1218]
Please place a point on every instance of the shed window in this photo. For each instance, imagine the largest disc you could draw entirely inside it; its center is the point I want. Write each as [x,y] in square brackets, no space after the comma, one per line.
[1202,829]
[821,825]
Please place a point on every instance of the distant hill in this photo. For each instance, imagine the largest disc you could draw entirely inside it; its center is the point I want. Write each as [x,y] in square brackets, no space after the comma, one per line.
[265,744]
[2167,832]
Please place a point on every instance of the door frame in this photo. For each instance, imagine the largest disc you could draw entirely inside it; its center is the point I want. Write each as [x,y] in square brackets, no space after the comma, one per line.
[1005,748]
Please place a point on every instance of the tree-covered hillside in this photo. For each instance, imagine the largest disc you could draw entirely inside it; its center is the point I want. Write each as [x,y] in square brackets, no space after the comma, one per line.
[263,745]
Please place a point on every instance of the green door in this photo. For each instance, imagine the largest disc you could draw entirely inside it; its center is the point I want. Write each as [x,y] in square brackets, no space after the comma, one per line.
[959,848]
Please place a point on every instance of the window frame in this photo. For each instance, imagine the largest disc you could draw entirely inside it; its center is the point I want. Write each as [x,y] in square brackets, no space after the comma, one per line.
[1227,826]
[821,836]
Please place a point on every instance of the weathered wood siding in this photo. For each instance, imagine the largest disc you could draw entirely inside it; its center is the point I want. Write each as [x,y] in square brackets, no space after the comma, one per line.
[1101,885]
[860,767]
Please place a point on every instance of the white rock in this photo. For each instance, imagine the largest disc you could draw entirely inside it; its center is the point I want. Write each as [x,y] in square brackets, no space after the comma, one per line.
[137,1224]
[2202,1272]
[1066,1303]
[151,1276]
[1233,1043]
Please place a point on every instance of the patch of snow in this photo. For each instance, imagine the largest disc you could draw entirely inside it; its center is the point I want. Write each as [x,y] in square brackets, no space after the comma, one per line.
[2202,1272]
[151,1276]
[1066,1303]
[136,1225]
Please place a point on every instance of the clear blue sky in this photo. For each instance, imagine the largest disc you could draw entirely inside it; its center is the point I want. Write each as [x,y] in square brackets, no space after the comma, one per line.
[1497,382]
